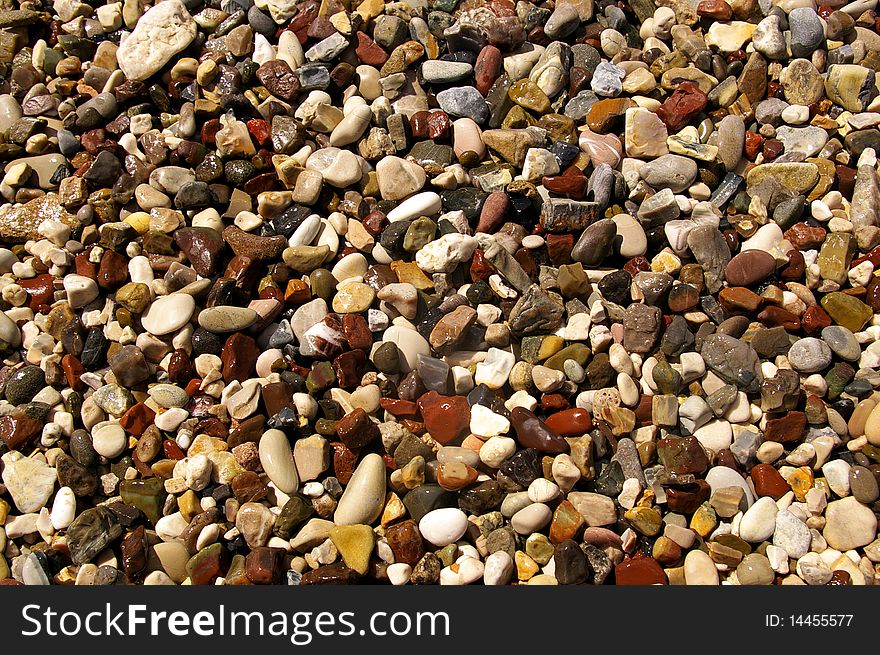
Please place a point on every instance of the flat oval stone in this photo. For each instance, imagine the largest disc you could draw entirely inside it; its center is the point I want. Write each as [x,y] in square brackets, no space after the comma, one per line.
[168,314]
[863,485]
[759,521]
[531,518]
[809,355]
[570,422]
[227,318]
[842,341]
[749,267]
[169,395]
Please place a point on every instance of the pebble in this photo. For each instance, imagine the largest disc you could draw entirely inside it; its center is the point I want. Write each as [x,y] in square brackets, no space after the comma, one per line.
[227,319]
[168,314]
[109,440]
[809,355]
[444,526]
[29,482]
[791,534]
[276,459]
[759,521]
[377,294]
[849,524]
[361,502]
[160,33]
[699,569]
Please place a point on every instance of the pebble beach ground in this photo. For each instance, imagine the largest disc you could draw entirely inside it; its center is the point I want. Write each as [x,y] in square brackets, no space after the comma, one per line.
[439,292]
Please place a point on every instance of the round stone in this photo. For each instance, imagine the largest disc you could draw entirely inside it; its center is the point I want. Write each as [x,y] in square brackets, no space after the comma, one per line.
[168,314]
[443,526]
[842,342]
[353,298]
[109,440]
[809,355]
[754,569]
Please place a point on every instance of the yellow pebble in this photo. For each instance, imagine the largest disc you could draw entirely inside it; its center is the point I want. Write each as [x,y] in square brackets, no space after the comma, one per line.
[140,221]
[341,22]
[801,481]
[526,567]
[188,504]
[370,9]
[665,262]
[550,346]
[704,520]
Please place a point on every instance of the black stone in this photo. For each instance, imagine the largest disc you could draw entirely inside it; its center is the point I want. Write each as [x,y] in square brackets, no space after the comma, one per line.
[610,480]
[615,287]
[24,384]
[104,171]
[678,338]
[294,513]
[194,195]
[571,563]
[206,343]
[524,467]
[599,563]
[94,350]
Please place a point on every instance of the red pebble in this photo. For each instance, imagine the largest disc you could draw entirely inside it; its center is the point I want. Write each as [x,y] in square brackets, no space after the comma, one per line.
[400,408]
[172,450]
[446,417]
[814,320]
[260,131]
[487,68]
[686,101]
[369,52]
[640,571]
[570,422]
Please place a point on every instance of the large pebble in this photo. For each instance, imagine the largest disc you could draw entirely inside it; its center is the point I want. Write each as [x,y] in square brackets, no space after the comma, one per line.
[444,526]
[364,494]
[163,31]
[277,461]
[168,314]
